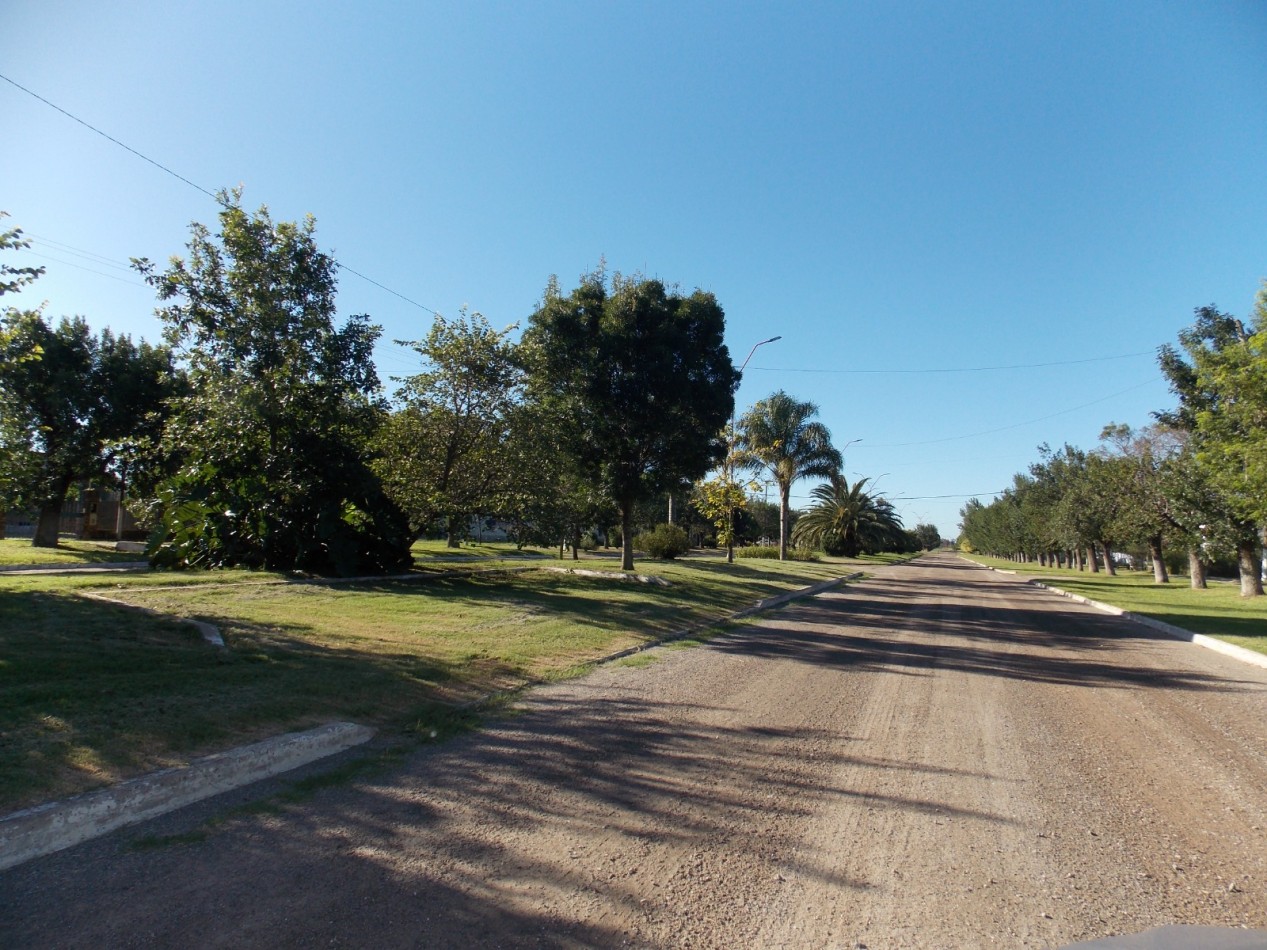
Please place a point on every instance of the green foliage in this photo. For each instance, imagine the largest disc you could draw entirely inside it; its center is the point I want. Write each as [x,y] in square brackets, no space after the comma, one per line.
[641,382]
[927,537]
[664,543]
[60,411]
[770,552]
[13,279]
[445,453]
[846,521]
[721,500]
[268,453]
[779,435]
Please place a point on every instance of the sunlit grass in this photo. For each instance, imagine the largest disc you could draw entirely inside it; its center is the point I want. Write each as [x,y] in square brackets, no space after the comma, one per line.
[91,692]
[1218,611]
[19,551]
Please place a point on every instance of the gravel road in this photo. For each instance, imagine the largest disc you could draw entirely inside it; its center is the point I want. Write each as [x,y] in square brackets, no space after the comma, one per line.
[938,756]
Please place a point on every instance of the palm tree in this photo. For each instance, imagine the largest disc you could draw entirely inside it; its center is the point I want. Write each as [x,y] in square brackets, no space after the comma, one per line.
[777,435]
[846,519]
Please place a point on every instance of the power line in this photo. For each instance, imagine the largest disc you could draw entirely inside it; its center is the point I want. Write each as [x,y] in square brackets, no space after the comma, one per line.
[214,197]
[111,138]
[955,369]
[1017,425]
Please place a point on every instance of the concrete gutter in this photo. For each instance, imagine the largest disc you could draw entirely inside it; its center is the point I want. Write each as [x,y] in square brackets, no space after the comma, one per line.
[1200,639]
[44,829]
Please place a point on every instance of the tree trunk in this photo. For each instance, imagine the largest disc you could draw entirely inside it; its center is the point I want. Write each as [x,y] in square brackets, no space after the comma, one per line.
[1092,559]
[1109,567]
[784,492]
[1159,565]
[626,536]
[47,528]
[1247,559]
[1077,559]
[1196,570]
[576,544]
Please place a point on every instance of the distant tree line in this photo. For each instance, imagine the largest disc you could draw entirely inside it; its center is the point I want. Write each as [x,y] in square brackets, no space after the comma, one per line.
[257,433]
[1195,479]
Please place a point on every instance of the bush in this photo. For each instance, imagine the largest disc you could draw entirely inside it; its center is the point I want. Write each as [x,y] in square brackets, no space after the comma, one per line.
[665,543]
[770,552]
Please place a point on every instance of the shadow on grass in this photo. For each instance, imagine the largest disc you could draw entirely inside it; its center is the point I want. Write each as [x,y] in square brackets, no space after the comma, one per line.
[91,692]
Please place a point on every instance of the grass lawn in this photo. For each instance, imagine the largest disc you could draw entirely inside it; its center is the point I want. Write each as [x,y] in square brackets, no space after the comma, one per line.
[68,552]
[1218,611]
[91,693]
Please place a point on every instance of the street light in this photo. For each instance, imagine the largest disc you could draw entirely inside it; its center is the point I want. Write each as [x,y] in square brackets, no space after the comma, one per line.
[730,459]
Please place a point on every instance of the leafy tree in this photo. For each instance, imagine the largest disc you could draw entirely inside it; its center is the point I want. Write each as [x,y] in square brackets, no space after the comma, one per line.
[846,520]
[61,409]
[928,537]
[13,279]
[644,380]
[779,435]
[444,452]
[1220,379]
[721,499]
[269,450]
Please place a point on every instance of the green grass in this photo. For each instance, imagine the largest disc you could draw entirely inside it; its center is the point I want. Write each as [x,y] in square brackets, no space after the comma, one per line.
[91,693]
[1218,611]
[424,551]
[18,551]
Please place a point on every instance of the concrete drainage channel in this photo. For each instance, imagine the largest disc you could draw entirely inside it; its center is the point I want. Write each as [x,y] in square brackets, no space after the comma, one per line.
[35,832]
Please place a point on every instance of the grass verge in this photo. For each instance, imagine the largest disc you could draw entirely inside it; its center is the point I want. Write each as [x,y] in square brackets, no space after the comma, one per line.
[91,693]
[1219,611]
[68,553]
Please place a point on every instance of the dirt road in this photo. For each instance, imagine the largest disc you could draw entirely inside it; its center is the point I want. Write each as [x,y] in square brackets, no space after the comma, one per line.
[938,756]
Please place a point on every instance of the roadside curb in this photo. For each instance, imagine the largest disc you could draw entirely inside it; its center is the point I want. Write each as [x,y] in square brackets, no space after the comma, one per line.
[1179,633]
[35,832]
[54,826]
[778,600]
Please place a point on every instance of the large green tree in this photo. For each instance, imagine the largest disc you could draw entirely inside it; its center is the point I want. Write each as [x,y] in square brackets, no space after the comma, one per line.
[643,379]
[270,451]
[1219,374]
[61,409]
[779,435]
[846,520]
[445,452]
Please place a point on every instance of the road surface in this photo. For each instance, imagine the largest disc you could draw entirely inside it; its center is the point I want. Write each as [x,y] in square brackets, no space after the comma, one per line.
[938,756]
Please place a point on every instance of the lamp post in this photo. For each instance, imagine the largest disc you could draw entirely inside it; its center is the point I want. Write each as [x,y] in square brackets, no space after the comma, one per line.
[730,458]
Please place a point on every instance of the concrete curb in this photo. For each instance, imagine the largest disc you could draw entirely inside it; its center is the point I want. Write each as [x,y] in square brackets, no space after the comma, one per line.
[610,575]
[1200,639]
[38,831]
[776,601]
[210,632]
[101,567]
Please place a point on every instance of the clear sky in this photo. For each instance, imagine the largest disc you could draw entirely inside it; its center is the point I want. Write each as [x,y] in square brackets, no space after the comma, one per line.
[972,223]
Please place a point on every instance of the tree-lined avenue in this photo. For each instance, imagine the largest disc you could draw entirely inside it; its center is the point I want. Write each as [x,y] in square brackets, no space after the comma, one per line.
[934,756]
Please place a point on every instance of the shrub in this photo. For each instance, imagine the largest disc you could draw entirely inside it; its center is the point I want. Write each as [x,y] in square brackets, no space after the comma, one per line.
[664,543]
[770,552]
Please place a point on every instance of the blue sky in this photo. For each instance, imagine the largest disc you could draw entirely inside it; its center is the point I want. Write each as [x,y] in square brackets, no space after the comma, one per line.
[912,194]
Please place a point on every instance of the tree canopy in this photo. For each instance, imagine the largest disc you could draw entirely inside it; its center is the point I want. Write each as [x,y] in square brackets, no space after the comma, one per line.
[643,379]
[779,434]
[269,453]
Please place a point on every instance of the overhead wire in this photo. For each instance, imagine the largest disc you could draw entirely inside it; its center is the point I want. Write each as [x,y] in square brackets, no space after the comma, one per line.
[212,195]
